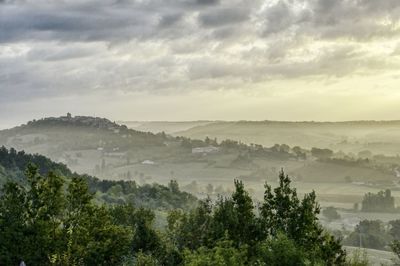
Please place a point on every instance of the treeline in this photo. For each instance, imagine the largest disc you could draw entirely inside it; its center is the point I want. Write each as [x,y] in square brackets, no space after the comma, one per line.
[153,196]
[374,234]
[51,222]
[383,201]
[15,162]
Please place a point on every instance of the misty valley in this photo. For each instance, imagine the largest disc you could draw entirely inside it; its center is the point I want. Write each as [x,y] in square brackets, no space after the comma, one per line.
[199,132]
[356,179]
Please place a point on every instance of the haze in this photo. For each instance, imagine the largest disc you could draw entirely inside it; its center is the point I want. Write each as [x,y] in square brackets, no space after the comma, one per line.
[200,59]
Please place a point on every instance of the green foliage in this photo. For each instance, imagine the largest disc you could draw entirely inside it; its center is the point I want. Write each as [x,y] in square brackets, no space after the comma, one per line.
[279,250]
[53,222]
[283,221]
[13,228]
[223,254]
[41,225]
[283,212]
[154,196]
[395,247]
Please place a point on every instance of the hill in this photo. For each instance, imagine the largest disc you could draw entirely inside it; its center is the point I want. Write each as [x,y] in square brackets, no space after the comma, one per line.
[168,127]
[379,137]
[99,147]
[155,196]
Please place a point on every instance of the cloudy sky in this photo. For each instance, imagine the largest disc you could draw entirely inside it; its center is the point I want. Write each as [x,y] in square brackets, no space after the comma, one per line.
[200,59]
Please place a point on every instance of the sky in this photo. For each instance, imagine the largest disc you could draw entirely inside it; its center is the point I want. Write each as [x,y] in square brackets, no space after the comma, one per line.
[322,60]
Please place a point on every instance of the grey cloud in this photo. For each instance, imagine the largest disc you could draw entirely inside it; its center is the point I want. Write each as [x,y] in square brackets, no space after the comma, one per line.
[60,54]
[90,45]
[356,19]
[223,16]
[169,20]
[207,2]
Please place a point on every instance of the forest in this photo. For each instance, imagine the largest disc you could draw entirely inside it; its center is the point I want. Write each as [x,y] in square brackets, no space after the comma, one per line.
[66,227]
[77,219]
[154,196]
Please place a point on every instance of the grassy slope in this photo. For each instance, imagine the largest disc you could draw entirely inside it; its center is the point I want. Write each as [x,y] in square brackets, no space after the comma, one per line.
[375,257]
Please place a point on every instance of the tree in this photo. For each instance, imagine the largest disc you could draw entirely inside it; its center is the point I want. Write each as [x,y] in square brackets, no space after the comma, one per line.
[394,230]
[321,153]
[283,212]
[395,247]
[279,250]
[45,202]
[191,230]
[92,236]
[245,231]
[173,186]
[13,216]
[383,201]
[286,230]
[368,234]
[53,228]
[331,213]
[222,254]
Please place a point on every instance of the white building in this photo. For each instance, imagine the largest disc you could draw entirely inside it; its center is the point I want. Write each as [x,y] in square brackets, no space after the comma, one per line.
[208,149]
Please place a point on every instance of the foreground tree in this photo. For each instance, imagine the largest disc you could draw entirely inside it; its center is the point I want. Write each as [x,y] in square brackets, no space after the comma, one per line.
[41,225]
[286,229]
[48,222]
[282,212]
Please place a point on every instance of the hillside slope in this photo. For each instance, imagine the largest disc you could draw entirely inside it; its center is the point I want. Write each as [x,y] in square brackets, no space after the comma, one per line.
[155,196]
[99,147]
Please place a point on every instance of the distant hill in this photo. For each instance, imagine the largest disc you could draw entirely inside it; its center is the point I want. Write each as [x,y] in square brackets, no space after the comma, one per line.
[108,150]
[57,137]
[379,137]
[163,126]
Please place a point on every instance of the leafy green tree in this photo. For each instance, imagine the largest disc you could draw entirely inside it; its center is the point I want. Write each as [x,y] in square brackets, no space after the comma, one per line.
[44,209]
[92,236]
[245,229]
[222,254]
[191,230]
[395,247]
[13,218]
[283,212]
[279,250]
[53,228]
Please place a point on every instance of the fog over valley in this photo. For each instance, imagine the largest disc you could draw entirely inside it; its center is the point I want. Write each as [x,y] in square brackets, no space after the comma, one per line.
[199,132]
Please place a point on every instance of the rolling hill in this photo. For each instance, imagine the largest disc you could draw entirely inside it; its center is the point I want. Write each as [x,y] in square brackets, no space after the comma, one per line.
[380,137]
[108,150]
[154,196]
